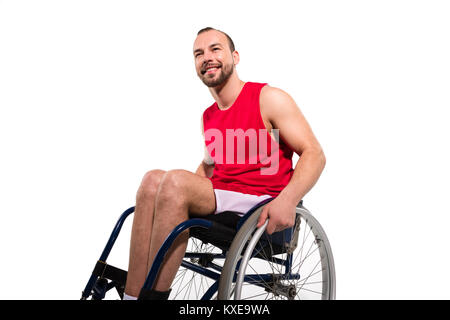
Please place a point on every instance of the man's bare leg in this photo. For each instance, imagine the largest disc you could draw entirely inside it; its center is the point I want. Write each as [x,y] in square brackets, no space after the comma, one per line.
[141,231]
[181,194]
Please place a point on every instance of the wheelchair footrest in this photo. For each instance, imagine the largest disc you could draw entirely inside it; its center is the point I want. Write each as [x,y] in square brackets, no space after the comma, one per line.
[106,271]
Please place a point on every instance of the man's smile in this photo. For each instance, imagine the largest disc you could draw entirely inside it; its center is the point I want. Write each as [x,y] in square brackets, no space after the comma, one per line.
[210,69]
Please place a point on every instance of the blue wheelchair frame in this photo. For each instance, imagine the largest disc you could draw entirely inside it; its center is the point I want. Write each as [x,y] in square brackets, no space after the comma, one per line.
[259,280]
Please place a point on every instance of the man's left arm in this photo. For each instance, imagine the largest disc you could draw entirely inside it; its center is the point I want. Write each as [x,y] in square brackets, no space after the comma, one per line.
[284,114]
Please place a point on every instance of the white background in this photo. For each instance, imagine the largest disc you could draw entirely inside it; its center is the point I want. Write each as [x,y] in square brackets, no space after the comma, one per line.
[95,93]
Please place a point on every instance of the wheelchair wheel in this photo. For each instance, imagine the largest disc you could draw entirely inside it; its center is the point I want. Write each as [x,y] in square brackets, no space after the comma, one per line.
[257,269]
[191,285]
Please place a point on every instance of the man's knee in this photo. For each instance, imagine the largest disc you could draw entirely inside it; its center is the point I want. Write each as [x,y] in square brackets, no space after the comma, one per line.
[173,187]
[150,184]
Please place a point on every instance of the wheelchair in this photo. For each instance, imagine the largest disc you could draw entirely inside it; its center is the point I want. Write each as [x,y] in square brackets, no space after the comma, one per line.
[227,257]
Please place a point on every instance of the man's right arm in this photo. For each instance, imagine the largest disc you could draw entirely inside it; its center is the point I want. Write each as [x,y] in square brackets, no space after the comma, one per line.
[206,167]
[205,170]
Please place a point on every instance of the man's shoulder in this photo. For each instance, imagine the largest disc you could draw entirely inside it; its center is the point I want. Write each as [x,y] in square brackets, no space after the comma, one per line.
[273,94]
[273,97]
[275,102]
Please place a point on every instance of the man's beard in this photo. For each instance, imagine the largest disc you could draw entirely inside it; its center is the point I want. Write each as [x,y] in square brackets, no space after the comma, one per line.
[225,73]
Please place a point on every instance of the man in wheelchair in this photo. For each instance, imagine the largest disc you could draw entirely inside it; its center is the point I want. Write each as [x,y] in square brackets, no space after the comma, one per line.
[251,132]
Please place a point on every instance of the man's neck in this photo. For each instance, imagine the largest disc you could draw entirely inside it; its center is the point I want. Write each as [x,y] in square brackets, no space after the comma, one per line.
[226,94]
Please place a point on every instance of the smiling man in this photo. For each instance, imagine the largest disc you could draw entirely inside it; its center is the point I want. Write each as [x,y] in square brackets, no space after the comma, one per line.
[251,132]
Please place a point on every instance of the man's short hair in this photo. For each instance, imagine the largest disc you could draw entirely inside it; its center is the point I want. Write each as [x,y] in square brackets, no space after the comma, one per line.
[230,41]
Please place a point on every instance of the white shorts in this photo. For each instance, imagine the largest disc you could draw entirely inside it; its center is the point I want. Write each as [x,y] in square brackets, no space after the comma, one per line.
[236,201]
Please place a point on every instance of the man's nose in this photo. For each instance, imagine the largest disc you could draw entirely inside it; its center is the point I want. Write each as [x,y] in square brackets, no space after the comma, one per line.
[207,56]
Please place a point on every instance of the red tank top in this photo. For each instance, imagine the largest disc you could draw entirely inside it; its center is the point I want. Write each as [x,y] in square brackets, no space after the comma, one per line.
[247,158]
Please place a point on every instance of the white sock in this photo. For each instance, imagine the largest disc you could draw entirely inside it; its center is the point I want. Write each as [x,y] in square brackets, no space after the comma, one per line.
[127,297]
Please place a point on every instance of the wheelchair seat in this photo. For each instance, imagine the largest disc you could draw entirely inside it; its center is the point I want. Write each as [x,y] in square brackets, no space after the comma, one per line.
[225,226]
[222,231]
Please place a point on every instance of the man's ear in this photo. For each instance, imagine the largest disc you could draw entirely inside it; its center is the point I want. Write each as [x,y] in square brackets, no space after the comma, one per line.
[236,57]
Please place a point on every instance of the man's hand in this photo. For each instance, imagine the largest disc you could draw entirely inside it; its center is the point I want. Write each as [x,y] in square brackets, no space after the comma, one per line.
[281,214]
[205,170]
